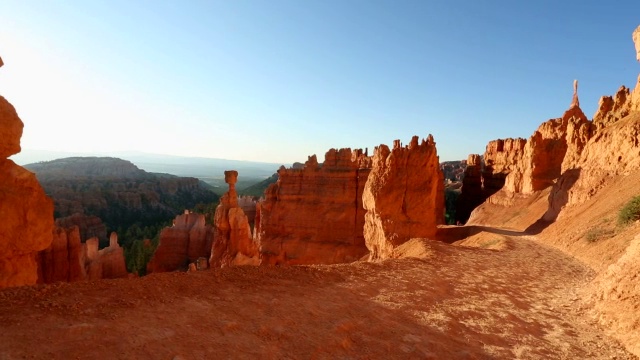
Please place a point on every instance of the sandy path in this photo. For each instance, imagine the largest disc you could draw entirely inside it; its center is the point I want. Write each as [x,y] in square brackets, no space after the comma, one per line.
[453,303]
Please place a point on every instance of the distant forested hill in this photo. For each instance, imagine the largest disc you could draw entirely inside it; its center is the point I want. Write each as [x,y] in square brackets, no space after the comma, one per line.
[132,201]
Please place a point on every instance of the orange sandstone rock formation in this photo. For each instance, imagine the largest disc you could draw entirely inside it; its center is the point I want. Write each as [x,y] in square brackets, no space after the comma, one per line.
[313,214]
[232,240]
[187,240]
[403,196]
[112,259]
[27,213]
[68,259]
[62,260]
[574,155]
[500,158]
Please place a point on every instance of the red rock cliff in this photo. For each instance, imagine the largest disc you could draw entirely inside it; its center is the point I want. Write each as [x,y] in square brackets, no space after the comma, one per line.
[314,214]
[404,196]
[27,213]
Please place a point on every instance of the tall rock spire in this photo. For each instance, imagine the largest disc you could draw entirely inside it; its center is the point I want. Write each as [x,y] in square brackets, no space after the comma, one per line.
[575,102]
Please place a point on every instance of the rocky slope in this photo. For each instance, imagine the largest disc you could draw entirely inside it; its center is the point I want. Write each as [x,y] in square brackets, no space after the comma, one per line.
[572,179]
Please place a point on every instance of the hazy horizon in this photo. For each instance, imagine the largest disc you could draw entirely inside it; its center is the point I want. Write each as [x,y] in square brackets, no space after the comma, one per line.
[278,81]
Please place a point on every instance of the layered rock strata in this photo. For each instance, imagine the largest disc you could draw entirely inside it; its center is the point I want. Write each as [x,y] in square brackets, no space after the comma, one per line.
[314,214]
[403,196]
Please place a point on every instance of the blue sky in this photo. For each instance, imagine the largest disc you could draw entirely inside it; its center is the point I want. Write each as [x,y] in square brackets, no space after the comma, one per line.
[277,81]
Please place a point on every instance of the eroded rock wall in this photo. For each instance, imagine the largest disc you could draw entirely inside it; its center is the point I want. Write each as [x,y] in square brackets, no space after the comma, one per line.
[313,214]
[403,196]
[187,240]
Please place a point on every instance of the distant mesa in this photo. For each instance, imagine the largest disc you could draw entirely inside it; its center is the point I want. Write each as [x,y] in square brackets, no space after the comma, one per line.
[89,166]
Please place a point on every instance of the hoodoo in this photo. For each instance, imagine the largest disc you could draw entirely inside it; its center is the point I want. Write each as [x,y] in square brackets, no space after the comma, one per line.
[232,240]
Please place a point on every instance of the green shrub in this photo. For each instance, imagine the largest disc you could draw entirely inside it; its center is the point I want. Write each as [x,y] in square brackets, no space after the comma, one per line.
[595,234]
[630,212]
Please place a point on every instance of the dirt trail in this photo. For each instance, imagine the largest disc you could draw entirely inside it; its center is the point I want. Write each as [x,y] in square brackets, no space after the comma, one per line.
[454,302]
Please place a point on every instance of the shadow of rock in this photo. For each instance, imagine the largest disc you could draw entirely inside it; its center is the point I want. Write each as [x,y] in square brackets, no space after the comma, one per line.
[558,198]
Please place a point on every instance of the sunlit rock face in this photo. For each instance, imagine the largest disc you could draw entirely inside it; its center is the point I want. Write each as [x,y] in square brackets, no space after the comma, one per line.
[26,212]
[233,243]
[314,214]
[403,196]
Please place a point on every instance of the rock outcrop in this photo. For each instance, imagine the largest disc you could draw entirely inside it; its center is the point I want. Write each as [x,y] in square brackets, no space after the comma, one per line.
[187,240]
[68,259]
[232,241]
[112,259]
[500,158]
[27,213]
[575,156]
[403,196]
[313,214]
[543,160]
[61,261]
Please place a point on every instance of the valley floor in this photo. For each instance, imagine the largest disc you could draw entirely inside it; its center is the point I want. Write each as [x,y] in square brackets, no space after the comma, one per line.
[452,302]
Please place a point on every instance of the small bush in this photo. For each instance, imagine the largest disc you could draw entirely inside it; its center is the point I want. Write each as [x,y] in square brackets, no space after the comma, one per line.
[630,212]
[595,234]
